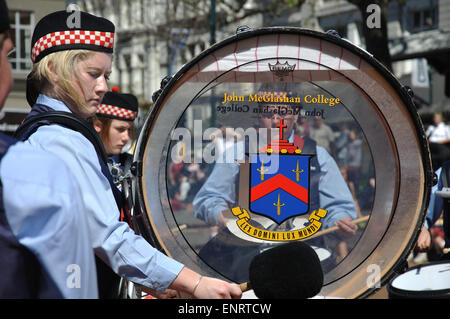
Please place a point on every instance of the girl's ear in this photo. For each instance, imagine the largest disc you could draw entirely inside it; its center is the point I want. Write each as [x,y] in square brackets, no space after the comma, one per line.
[52,72]
[98,125]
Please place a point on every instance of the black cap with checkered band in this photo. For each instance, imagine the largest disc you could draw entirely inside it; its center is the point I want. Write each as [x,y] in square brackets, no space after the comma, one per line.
[120,106]
[56,32]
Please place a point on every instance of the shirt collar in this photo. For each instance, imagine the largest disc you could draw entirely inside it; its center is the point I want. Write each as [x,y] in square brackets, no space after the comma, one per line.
[55,104]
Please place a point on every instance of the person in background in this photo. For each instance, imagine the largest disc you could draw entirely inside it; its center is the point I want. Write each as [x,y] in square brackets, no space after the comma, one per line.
[114,123]
[341,144]
[354,159]
[439,207]
[322,134]
[114,120]
[438,136]
[45,244]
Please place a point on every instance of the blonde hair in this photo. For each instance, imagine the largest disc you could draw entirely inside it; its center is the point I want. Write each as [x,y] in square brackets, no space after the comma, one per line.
[64,65]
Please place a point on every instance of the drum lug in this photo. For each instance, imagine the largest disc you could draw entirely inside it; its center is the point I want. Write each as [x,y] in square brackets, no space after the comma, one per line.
[242,28]
[333,33]
[408,91]
[164,81]
[401,267]
[136,169]
[435,179]
[163,84]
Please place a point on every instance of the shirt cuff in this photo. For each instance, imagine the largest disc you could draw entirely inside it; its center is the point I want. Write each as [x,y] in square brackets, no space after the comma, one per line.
[164,272]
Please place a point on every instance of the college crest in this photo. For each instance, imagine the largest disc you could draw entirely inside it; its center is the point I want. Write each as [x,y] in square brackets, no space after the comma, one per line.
[278,188]
[282,193]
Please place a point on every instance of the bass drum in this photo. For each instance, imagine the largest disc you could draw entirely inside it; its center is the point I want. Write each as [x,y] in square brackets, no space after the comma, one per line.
[368,158]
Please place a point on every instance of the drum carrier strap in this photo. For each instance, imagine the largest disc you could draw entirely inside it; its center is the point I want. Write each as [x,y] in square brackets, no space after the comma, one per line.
[66,119]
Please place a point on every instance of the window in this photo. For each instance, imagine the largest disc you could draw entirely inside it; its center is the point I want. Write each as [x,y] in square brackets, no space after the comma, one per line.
[22,25]
[424,19]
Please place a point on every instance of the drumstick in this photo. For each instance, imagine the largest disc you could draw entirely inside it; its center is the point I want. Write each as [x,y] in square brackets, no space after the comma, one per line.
[245,286]
[176,229]
[334,228]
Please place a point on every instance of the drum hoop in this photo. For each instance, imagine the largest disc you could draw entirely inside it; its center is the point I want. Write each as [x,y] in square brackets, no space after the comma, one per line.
[442,293]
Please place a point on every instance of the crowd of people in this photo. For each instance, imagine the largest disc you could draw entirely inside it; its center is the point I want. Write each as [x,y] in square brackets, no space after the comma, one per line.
[345,143]
[184,181]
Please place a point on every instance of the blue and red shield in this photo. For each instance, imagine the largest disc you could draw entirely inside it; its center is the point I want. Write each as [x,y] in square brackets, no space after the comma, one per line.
[279,185]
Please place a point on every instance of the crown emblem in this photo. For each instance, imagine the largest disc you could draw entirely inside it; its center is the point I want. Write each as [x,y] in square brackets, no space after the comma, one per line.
[281,70]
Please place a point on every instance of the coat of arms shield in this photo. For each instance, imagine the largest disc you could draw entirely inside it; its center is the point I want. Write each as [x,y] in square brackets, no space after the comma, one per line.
[279,185]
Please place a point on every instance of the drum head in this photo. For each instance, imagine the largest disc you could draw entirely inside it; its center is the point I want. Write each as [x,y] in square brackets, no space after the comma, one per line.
[344,141]
[424,281]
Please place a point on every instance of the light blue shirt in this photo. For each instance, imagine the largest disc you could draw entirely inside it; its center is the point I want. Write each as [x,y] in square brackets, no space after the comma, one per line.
[220,188]
[47,215]
[128,254]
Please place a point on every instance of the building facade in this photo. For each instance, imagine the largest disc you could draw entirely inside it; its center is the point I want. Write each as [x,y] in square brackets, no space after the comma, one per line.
[23,16]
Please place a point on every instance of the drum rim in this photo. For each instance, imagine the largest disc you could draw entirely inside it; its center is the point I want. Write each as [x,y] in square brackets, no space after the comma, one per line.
[402,92]
[416,293]
[436,294]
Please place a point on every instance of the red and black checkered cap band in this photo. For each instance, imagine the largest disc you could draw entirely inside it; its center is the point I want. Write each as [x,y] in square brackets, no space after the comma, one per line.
[116,111]
[72,37]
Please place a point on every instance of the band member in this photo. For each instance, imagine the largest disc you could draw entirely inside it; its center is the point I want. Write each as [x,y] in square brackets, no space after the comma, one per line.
[70,72]
[114,120]
[114,123]
[44,240]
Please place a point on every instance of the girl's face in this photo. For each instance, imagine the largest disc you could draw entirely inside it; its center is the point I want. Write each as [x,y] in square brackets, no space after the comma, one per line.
[119,135]
[93,74]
